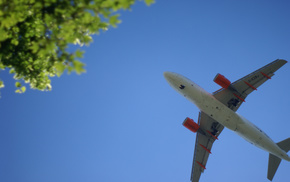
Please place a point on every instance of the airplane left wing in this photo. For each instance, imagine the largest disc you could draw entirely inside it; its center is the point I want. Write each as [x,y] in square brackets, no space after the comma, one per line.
[235,94]
[203,144]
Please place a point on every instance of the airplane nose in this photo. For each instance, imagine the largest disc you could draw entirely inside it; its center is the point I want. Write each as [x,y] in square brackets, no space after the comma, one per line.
[169,76]
[166,74]
[172,78]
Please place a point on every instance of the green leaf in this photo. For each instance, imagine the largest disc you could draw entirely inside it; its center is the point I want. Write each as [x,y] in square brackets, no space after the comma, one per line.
[1,84]
[79,54]
[23,89]
[15,42]
[18,91]
[12,71]
[79,67]
[17,84]
[4,34]
[114,20]
[2,67]
[59,68]
[149,2]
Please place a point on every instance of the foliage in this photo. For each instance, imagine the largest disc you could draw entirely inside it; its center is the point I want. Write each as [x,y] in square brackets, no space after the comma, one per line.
[35,34]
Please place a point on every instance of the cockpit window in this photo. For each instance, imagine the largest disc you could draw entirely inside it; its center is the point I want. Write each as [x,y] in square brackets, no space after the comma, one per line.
[181,86]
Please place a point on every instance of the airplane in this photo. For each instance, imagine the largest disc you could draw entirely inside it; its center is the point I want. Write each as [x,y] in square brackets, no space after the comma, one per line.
[218,110]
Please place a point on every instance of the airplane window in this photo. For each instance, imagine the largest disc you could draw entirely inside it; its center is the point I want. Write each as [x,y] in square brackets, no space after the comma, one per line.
[181,86]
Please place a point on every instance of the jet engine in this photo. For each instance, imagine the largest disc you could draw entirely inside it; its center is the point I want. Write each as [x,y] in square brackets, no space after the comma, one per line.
[222,81]
[190,124]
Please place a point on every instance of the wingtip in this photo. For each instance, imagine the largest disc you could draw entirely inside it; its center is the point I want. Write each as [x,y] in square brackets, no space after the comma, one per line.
[283,60]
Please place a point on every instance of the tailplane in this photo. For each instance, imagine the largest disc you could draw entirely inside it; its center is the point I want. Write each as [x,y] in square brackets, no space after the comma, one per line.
[274,161]
[284,145]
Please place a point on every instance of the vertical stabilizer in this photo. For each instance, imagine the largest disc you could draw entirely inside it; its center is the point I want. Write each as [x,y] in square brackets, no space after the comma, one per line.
[273,165]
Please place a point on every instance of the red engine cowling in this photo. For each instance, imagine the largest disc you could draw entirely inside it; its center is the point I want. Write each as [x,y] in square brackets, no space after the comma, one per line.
[222,81]
[190,124]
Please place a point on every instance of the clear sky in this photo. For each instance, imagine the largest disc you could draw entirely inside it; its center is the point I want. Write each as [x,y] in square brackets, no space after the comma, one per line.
[121,121]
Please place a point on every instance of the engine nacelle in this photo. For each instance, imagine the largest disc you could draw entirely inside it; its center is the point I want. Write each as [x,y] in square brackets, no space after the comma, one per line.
[190,124]
[222,81]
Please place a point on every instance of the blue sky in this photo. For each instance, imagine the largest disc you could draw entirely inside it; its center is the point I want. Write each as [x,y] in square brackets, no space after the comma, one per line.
[121,121]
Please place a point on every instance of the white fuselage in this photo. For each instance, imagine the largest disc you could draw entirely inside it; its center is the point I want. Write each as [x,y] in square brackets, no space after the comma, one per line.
[207,103]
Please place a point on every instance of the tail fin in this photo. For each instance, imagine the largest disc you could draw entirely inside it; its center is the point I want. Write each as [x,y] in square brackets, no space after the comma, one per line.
[274,161]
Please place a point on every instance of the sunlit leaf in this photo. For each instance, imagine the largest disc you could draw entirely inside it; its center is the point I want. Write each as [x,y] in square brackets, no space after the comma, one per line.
[12,71]
[59,68]
[79,54]
[17,84]
[114,20]
[23,89]
[1,84]
[79,67]
[35,36]
[149,2]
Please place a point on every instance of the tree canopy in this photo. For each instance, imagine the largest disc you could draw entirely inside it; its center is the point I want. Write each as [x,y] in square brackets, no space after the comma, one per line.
[35,35]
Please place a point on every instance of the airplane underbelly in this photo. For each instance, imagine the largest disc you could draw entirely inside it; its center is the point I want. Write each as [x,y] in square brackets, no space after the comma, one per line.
[257,137]
[238,124]
[219,112]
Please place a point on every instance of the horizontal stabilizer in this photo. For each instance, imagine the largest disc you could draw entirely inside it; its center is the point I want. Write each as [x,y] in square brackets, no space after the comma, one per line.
[284,145]
[273,165]
[274,161]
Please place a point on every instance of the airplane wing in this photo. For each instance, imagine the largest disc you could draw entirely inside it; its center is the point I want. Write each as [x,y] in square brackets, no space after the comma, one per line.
[203,144]
[232,97]
[235,95]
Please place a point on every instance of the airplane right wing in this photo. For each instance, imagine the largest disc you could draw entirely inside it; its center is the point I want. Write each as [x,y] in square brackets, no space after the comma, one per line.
[203,144]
